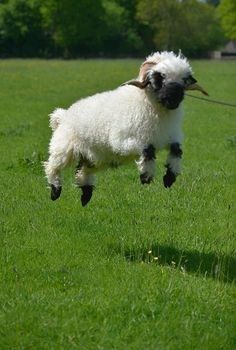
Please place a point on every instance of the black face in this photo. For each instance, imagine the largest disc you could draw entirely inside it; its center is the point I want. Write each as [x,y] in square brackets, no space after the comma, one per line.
[170,95]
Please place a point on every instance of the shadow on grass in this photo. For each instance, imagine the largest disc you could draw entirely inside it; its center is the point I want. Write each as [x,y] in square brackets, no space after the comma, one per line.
[219,267]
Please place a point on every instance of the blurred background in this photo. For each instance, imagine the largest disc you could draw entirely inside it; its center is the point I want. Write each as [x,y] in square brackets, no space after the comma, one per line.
[116,28]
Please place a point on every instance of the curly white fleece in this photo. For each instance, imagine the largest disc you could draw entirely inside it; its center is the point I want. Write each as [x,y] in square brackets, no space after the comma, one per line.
[115,126]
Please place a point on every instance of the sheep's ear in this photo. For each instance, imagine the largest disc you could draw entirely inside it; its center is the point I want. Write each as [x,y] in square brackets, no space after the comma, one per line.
[143,79]
[145,68]
[196,87]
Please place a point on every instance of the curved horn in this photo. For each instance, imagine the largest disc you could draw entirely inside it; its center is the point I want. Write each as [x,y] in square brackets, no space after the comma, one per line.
[196,87]
[137,83]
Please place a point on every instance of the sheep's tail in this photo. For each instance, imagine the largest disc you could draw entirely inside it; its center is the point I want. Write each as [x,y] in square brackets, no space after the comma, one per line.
[56,117]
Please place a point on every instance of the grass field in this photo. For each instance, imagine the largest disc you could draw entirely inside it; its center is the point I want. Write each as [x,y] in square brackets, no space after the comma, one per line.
[140,267]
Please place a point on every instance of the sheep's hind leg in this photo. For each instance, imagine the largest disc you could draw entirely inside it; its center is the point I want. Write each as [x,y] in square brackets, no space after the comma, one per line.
[52,169]
[85,180]
[55,192]
[56,162]
[61,154]
[146,164]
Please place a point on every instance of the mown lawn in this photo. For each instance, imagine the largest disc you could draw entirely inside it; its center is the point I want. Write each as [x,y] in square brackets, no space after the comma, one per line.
[140,267]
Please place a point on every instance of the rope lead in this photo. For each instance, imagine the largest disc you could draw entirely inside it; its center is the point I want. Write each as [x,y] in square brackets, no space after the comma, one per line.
[212,101]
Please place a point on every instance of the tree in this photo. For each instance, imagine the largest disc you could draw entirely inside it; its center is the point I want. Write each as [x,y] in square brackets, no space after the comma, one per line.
[88,27]
[227,14]
[213,2]
[21,28]
[75,26]
[122,29]
[188,25]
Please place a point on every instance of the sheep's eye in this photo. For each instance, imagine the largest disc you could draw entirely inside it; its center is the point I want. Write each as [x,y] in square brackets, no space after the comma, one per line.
[158,80]
[189,80]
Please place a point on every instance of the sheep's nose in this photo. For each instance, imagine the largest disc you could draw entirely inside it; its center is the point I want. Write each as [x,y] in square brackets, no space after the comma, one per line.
[171,95]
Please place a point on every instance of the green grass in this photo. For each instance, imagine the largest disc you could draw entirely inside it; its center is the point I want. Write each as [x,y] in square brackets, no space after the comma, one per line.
[140,267]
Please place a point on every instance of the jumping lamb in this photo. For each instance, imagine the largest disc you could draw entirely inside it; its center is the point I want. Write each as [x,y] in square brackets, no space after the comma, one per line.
[132,122]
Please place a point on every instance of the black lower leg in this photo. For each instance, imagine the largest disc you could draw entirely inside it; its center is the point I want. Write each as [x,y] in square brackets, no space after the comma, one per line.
[170,177]
[149,152]
[145,178]
[149,155]
[55,192]
[87,192]
[176,150]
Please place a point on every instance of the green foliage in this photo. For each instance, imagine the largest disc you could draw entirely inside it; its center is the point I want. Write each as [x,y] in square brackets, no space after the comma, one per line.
[140,267]
[109,27]
[188,25]
[122,31]
[213,2]
[21,28]
[227,14]
[75,26]
[91,28]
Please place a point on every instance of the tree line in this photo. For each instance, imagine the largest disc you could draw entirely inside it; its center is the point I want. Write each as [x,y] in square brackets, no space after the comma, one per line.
[109,28]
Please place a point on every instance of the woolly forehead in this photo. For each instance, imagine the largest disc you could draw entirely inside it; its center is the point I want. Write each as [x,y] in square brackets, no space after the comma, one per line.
[173,68]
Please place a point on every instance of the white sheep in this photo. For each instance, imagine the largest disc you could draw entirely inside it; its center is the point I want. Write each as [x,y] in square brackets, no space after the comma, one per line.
[132,122]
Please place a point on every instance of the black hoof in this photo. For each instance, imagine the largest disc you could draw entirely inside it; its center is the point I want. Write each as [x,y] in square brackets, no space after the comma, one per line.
[87,192]
[169,178]
[145,178]
[55,192]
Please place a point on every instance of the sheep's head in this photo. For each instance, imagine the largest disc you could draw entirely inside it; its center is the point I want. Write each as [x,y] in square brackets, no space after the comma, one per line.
[167,76]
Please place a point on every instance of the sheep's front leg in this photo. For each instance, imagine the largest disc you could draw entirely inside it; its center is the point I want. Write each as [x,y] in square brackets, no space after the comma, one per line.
[85,179]
[173,164]
[146,164]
